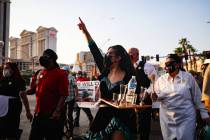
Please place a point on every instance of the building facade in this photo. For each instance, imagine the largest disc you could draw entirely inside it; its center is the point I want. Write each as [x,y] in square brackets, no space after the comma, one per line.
[46,39]
[30,46]
[27,43]
[14,47]
[85,63]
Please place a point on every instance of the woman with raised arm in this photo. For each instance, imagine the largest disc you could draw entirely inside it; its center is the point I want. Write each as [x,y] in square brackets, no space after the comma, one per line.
[115,68]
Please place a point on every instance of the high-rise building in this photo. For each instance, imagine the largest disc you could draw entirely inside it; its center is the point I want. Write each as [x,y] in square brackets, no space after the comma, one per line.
[46,39]
[27,43]
[14,47]
[30,46]
[4,28]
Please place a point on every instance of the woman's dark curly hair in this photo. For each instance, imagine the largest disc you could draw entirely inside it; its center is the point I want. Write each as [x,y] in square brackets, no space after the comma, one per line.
[125,62]
[16,72]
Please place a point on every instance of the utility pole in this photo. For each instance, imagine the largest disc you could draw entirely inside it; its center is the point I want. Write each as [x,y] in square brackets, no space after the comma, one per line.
[1,48]
[4,27]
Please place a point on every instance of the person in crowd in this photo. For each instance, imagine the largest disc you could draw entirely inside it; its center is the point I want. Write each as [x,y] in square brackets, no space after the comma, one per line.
[115,68]
[12,90]
[51,92]
[70,102]
[206,83]
[145,73]
[179,95]
[198,77]
[82,77]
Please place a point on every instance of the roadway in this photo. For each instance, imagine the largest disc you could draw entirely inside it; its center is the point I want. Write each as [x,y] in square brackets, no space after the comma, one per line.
[26,125]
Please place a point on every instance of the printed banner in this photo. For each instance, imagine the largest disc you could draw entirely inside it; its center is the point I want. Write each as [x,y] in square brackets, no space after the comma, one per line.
[86,96]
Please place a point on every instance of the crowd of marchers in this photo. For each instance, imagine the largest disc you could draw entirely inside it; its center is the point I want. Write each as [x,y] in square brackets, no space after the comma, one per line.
[178,91]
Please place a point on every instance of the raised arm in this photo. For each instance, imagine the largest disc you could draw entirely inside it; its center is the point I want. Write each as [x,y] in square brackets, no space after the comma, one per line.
[92,45]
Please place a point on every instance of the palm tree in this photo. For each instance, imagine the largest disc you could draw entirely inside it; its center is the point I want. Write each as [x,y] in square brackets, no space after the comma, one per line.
[178,51]
[192,50]
[183,43]
[186,49]
[189,52]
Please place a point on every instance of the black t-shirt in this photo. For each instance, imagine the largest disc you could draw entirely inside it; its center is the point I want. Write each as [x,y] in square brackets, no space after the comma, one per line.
[11,87]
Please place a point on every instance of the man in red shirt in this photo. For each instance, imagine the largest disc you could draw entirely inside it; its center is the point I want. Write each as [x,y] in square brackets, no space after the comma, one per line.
[51,91]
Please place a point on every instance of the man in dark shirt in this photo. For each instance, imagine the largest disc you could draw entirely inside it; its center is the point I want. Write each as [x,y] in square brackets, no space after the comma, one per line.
[145,73]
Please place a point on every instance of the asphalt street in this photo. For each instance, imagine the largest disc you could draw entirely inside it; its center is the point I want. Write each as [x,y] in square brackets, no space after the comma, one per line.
[84,123]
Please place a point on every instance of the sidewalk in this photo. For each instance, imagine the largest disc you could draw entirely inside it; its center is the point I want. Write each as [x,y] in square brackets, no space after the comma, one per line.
[26,125]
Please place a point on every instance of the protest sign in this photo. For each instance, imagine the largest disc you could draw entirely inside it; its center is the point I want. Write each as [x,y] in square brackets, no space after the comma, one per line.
[87,97]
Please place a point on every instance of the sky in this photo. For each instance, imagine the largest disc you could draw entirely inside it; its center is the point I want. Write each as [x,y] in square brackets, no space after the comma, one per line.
[153,26]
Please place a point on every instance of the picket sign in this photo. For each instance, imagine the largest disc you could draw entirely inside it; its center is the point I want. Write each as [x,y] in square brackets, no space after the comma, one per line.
[87,97]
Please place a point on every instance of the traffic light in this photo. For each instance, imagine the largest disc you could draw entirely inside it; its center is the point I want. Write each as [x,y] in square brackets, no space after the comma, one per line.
[157,57]
[143,58]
